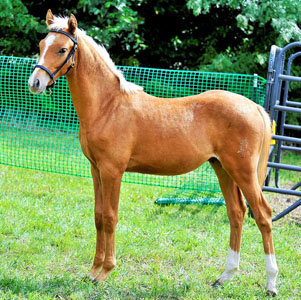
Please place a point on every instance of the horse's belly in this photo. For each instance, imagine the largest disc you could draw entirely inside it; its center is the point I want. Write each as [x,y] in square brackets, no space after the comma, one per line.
[145,169]
[171,164]
[171,147]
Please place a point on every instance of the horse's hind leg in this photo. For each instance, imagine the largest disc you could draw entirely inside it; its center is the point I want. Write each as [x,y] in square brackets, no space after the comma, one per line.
[263,217]
[236,209]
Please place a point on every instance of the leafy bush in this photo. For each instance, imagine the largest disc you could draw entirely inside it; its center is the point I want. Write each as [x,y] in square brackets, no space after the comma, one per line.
[18,29]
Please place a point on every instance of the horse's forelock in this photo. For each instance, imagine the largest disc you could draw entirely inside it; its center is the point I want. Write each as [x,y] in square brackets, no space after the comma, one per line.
[59,23]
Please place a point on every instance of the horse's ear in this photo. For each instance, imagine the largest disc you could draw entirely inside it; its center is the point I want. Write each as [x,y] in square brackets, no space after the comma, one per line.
[72,24]
[49,17]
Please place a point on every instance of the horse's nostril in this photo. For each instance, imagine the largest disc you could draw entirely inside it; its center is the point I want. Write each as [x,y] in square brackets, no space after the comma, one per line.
[37,83]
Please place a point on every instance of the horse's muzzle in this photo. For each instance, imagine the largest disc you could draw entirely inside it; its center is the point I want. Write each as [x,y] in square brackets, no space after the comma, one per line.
[38,82]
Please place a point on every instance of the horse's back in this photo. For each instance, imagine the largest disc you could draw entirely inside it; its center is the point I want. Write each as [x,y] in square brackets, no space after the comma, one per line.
[176,135]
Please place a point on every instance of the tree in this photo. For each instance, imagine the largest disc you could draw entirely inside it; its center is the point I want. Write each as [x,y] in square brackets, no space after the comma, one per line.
[18,28]
[232,36]
[260,23]
[210,35]
[112,23]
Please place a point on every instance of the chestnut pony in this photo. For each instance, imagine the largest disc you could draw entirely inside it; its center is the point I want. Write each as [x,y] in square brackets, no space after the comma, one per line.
[123,129]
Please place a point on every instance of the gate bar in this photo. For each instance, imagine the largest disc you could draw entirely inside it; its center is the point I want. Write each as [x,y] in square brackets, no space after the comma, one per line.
[284,167]
[290,126]
[277,76]
[293,103]
[291,148]
[290,78]
[286,139]
[287,108]
[286,211]
[281,191]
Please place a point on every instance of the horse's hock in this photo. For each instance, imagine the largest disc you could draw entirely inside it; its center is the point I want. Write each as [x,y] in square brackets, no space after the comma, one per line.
[40,132]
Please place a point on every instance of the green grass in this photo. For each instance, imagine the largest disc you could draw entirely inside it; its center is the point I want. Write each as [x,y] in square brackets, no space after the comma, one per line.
[47,241]
[289,157]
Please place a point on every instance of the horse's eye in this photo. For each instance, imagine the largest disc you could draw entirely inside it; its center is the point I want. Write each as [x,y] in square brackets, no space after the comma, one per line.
[62,51]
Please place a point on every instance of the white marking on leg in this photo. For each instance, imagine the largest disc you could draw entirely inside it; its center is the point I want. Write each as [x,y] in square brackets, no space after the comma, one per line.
[272,271]
[232,266]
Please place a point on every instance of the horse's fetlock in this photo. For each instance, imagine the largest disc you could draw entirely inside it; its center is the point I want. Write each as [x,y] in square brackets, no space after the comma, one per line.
[98,261]
[109,265]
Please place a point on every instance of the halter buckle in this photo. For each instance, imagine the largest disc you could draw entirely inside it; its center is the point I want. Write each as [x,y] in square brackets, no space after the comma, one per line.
[48,91]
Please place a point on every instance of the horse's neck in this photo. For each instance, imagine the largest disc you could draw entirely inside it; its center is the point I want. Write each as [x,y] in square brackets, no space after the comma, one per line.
[92,83]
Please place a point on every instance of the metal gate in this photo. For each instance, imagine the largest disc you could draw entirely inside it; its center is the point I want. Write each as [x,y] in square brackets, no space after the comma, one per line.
[277,103]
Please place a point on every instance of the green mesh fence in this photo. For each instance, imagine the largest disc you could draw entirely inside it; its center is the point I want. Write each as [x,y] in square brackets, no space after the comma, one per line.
[39,132]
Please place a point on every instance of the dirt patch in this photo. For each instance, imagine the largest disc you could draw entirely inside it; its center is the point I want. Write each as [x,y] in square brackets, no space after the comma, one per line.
[280,202]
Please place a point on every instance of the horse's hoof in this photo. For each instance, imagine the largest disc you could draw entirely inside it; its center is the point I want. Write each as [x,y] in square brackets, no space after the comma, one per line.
[89,278]
[94,281]
[272,293]
[216,283]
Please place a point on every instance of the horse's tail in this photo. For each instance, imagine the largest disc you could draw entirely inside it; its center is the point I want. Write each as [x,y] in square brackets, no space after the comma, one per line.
[265,146]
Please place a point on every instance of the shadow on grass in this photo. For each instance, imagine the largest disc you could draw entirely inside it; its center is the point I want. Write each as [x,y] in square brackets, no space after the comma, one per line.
[62,288]
[204,212]
[55,287]
[191,208]
[157,288]
[160,288]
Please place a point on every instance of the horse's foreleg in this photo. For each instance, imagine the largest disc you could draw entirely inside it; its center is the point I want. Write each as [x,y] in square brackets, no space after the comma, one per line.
[236,209]
[100,244]
[111,181]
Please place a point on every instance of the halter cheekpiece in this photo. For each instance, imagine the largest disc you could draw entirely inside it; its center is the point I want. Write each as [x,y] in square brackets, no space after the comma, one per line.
[70,55]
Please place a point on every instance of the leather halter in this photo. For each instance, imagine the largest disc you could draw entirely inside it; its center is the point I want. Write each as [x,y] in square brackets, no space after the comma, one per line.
[70,55]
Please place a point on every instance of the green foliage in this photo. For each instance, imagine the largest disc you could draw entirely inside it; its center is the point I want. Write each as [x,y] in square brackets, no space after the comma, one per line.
[18,28]
[112,23]
[223,36]
[283,16]
[259,24]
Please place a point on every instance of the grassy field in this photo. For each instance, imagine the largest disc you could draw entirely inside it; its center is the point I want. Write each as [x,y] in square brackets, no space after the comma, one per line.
[47,241]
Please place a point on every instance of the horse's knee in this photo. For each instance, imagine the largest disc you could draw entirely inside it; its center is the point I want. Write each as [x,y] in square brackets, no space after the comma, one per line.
[264,222]
[236,216]
[236,219]
[109,222]
[264,216]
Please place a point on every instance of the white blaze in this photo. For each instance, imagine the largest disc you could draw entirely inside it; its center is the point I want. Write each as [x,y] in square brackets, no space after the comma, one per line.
[48,42]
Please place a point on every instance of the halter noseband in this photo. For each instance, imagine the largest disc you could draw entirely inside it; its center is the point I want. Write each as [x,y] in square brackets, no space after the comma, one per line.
[71,54]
